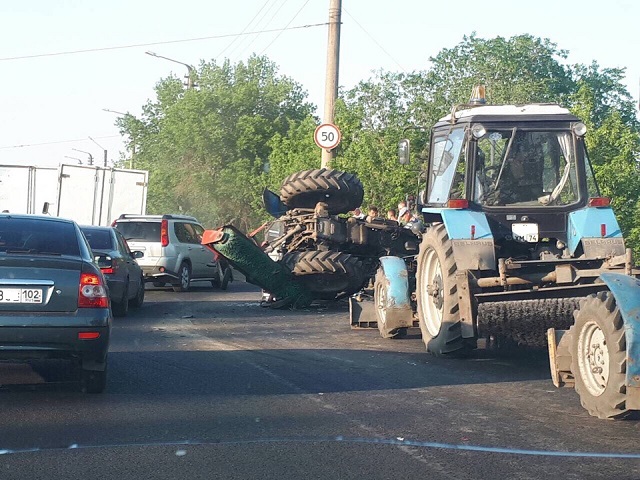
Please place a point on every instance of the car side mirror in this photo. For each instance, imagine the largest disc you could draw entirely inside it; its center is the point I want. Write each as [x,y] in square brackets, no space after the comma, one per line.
[45,208]
[404,151]
[137,254]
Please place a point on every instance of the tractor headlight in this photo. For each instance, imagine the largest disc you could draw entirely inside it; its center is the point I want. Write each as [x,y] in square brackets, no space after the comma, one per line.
[478,130]
[579,129]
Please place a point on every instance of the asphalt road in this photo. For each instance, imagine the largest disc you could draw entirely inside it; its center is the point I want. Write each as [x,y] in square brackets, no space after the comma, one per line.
[208,384]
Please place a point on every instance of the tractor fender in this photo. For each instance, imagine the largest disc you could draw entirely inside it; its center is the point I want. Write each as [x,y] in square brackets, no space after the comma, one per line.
[470,235]
[597,229]
[399,312]
[626,291]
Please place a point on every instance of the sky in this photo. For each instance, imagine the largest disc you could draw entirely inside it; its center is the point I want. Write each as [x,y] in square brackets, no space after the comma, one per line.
[52,105]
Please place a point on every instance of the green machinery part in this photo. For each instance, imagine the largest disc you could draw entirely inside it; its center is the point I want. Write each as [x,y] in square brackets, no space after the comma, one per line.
[257,267]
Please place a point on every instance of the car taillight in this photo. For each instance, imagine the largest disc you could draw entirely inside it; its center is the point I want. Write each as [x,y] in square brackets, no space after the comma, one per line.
[164,233]
[92,293]
[110,270]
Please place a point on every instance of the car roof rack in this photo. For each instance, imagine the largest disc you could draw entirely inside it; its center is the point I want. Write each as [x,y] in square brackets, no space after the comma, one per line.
[158,217]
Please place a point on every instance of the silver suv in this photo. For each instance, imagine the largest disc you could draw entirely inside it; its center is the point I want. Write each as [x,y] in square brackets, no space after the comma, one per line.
[172,249]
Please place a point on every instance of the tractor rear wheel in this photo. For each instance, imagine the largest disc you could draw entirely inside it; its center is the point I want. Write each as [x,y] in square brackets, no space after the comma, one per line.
[599,357]
[341,191]
[437,297]
[325,273]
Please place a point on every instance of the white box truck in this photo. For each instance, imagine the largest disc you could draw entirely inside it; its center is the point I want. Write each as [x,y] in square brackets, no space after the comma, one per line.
[90,195]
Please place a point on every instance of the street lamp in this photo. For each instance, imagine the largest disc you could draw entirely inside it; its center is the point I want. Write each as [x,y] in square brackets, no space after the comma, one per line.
[90,156]
[74,158]
[133,138]
[190,76]
[103,149]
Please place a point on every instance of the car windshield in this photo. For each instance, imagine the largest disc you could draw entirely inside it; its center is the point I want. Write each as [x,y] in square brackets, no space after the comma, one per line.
[517,167]
[99,239]
[37,236]
[142,231]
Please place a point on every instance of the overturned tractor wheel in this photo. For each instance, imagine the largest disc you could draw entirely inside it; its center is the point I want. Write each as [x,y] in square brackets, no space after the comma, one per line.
[326,274]
[341,191]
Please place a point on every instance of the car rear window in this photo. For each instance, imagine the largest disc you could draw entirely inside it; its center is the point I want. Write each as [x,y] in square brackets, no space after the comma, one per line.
[99,239]
[140,231]
[38,236]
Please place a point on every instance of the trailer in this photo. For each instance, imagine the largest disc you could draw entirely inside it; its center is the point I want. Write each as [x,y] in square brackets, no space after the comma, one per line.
[90,195]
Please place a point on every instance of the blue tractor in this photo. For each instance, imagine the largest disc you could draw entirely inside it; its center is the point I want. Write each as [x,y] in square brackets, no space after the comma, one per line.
[518,242]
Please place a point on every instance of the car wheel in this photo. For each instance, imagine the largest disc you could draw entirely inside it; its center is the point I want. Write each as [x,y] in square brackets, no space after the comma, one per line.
[121,307]
[138,300]
[184,276]
[94,381]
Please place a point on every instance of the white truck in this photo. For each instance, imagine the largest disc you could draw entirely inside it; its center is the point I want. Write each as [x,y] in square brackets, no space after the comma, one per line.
[90,195]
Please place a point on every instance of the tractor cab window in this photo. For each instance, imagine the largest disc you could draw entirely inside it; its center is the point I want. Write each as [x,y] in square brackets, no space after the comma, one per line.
[524,167]
[445,156]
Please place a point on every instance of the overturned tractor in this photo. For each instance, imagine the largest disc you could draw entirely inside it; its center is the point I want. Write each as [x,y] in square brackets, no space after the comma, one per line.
[312,243]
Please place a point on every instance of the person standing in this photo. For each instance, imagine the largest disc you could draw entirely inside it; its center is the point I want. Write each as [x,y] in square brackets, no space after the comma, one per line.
[391,214]
[373,213]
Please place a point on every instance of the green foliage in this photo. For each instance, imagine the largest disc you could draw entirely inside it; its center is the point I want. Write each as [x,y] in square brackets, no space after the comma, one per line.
[206,148]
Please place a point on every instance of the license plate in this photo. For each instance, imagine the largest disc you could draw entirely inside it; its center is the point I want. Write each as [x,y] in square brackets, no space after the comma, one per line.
[525,232]
[20,295]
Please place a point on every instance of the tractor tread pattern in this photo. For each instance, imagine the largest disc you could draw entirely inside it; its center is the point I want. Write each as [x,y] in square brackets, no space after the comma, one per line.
[449,341]
[611,403]
[341,191]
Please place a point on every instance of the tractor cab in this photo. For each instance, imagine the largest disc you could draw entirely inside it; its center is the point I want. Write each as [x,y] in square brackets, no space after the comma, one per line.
[510,157]
[525,169]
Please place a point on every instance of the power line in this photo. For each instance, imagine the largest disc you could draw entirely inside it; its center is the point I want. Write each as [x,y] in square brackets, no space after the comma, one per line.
[166,42]
[265,25]
[54,143]
[287,27]
[243,30]
[374,40]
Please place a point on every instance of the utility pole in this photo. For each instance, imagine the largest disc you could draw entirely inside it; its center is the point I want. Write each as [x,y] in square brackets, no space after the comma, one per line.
[333,63]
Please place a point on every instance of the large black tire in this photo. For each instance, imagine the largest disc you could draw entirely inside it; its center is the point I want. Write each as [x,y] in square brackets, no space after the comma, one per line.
[326,274]
[121,307]
[437,297]
[184,278]
[599,357]
[341,191]
[138,300]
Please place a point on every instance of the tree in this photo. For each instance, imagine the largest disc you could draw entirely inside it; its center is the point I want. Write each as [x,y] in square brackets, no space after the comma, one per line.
[207,149]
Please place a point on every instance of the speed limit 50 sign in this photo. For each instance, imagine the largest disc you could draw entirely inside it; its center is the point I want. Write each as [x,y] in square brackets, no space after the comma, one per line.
[327,136]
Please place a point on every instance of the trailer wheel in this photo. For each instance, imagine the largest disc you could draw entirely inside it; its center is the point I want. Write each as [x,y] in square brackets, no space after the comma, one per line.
[436,294]
[599,357]
[341,191]
[325,273]
[380,301]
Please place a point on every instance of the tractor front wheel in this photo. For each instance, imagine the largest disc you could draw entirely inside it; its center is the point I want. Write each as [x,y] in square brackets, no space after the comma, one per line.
[437,297]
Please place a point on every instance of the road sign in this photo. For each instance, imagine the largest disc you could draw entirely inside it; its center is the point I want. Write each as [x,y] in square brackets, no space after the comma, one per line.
[327,136]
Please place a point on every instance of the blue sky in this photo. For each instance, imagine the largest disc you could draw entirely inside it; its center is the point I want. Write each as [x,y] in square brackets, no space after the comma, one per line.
[58,98]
